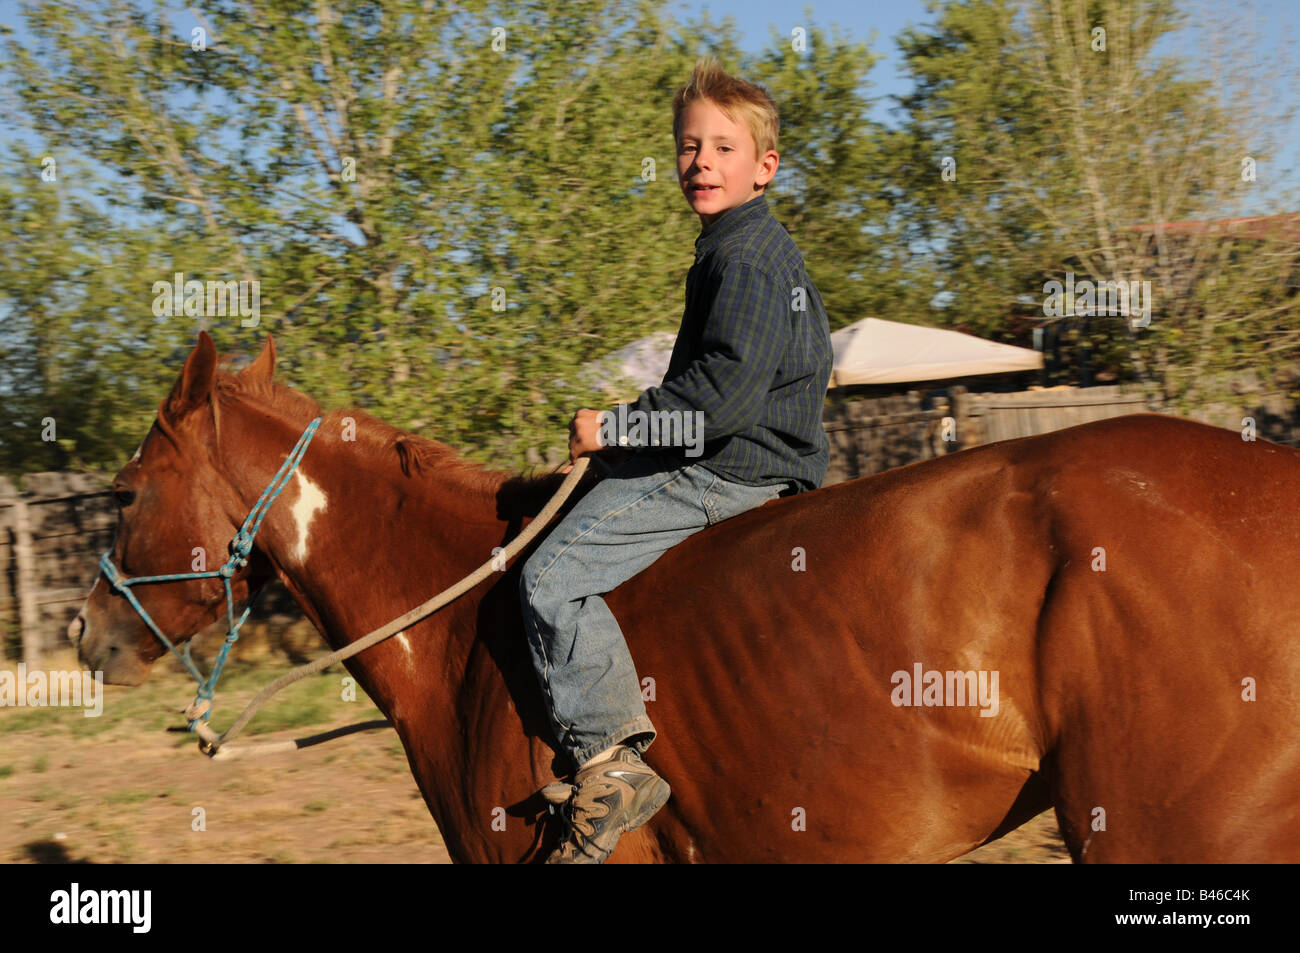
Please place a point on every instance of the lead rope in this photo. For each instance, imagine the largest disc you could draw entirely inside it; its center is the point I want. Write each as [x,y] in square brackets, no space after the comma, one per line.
[218,746]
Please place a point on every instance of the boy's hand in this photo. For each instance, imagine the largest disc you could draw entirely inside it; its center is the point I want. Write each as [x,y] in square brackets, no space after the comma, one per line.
[584,435]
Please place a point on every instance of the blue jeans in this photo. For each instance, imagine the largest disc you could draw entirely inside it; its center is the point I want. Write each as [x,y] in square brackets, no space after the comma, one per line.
[624,523]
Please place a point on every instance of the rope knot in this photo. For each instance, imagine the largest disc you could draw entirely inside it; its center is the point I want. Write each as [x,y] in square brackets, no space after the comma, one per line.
[242,544]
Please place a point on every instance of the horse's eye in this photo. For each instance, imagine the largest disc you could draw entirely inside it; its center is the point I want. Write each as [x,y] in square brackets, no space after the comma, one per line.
[124,498]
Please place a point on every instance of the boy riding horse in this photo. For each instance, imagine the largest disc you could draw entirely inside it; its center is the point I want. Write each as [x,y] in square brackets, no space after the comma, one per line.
[752,361]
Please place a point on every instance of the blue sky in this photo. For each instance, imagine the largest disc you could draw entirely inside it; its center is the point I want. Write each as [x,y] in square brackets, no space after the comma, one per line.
[755,17]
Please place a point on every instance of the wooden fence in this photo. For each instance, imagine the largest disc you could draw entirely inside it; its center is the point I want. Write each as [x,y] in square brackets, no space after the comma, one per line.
[51,535]
[53,532]
[868,435]
[988,418]
[875,434]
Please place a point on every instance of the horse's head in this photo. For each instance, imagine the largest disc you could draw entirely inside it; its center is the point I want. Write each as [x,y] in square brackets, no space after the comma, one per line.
[177,513]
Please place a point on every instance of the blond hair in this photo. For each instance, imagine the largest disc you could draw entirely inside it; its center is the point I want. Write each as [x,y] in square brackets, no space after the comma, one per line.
[739,101]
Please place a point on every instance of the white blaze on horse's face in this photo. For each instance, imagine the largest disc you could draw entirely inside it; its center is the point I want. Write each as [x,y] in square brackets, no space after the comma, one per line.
[311,500]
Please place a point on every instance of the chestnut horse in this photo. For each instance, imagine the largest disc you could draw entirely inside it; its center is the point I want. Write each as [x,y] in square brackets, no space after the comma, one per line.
[1104,620]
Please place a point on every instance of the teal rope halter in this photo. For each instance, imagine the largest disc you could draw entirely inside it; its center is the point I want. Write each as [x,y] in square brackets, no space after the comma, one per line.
[240,546]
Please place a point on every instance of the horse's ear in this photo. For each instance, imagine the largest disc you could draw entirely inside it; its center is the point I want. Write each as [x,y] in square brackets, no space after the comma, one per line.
[263,367]
[195,382]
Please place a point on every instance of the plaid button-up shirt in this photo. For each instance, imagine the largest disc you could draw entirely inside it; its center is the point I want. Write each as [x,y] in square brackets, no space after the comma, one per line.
[753,356]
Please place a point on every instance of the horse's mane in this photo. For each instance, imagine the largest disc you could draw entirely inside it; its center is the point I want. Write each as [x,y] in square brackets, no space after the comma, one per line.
[515,494]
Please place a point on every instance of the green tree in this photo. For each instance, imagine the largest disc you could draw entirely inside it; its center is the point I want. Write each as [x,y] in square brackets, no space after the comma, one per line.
[1069,133]
[449,207]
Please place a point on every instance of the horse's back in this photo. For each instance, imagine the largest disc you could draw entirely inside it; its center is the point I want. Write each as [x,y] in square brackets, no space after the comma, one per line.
[1110,576]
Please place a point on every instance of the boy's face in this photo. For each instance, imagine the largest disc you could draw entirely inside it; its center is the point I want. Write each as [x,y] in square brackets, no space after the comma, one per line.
[717,162]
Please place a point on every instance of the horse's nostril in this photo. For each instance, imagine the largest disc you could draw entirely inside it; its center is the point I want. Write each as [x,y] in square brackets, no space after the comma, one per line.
[75,629]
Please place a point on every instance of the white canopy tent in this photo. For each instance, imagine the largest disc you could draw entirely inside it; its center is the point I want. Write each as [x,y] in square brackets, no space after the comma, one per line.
[643,362]
[869,352]
[887,352]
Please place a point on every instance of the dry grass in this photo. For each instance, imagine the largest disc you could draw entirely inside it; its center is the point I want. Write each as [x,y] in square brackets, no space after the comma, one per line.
[123,789]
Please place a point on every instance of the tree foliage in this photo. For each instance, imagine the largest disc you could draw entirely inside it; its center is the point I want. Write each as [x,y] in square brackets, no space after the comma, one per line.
[449,208]
[1074,138]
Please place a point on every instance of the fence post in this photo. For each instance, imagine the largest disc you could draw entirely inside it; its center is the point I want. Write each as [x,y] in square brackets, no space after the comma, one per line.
[25,577]
[960,410]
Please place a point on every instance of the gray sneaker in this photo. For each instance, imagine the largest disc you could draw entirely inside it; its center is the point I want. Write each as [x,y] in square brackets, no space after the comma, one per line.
[608,799]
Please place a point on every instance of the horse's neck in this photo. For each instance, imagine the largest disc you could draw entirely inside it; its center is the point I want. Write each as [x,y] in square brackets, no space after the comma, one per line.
[358,544]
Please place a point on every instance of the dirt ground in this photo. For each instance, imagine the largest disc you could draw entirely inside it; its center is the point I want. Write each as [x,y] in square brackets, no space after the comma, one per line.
[123,789]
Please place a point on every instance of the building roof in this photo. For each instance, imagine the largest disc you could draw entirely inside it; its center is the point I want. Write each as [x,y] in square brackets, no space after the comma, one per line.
[1285,227]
